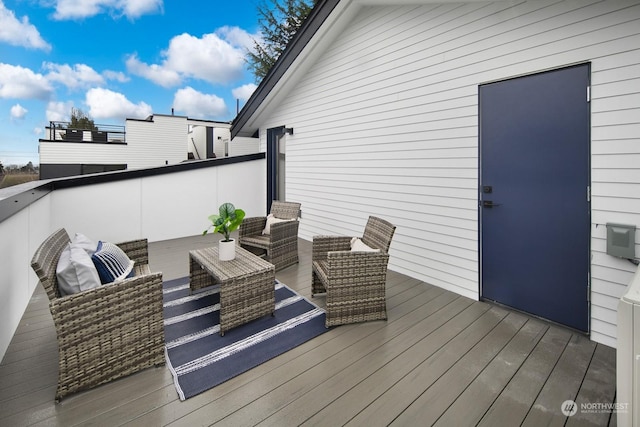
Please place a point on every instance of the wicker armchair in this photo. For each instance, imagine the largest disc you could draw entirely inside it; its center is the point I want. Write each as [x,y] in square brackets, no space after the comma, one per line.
[281,246]
[354,282]
[107,332]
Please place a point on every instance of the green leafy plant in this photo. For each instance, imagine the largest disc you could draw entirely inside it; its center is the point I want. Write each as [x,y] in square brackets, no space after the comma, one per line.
[227,220]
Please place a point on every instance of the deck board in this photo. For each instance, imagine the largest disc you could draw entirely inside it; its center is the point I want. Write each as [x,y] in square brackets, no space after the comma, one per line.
[515,400]
[596,388]
[478,397]
[350,366]
[350,407]
[563,384]
[439,359]
[435,394]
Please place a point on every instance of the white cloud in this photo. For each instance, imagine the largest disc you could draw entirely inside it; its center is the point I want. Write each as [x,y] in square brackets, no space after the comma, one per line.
[115,75]
[244,92]
[216,58]
[158,74]
[59,111]
[80,76]
[198,105]
[238,37]
[19,82]
[19,32]
[38,131]
[18,112]
[76,9]
[79,9]
[107,104]
[136,8]
[209,58]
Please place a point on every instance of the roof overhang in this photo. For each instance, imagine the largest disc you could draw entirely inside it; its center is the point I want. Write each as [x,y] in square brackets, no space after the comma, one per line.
[325,23]
[314,36]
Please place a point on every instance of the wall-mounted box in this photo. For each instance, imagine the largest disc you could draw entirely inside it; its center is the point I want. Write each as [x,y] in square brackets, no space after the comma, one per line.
[621,240]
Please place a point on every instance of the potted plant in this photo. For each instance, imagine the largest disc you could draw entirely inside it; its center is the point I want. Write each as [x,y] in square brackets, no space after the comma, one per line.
[227,220]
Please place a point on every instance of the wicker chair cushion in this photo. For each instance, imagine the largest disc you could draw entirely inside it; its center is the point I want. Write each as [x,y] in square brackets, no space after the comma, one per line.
[75,270]
[112,263]
[358,245]
[270,221]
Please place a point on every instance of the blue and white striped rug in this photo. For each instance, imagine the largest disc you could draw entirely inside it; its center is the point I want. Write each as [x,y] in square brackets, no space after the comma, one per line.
[200,359]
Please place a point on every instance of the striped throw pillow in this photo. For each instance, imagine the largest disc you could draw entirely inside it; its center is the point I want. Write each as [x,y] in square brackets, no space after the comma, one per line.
[111,262]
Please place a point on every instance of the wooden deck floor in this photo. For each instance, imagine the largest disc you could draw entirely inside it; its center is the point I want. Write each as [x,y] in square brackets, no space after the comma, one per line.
[440,359]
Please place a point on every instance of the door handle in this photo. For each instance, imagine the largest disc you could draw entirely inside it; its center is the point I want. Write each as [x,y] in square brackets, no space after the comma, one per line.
[489,204]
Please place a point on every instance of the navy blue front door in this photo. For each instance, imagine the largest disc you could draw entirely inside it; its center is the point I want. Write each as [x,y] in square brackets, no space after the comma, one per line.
[534,201]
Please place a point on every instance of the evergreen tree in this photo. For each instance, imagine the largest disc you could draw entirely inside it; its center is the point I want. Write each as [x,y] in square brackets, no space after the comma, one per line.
[79,120]
[279,20]
[28,168]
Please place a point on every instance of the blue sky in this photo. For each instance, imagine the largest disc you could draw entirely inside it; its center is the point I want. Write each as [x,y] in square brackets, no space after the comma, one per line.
[117,59]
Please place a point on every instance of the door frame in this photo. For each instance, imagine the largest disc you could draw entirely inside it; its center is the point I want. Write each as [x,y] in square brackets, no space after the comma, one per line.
[273,140]
[480,192]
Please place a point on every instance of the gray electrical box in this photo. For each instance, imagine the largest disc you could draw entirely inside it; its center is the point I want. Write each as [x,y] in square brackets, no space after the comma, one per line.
[621,240]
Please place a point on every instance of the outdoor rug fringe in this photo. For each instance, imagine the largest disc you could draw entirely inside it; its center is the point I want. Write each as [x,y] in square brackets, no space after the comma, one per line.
[200,359]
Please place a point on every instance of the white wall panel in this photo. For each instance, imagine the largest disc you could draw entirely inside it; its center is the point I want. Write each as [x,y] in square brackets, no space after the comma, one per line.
[14,280]
[21,235]
[110,211]
[163,199]
[160,207]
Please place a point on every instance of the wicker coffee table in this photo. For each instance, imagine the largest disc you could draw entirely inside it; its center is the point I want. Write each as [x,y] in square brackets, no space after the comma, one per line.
[247,284]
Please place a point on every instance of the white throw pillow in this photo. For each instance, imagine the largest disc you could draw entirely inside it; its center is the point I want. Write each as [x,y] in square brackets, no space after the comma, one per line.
[270,221]
[85,243]
[358,246]
[75,270]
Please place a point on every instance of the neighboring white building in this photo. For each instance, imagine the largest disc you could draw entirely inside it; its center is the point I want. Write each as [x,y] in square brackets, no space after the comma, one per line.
[155,141]
[391,108]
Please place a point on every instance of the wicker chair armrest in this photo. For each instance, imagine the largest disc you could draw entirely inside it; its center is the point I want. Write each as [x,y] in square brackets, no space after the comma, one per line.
[252,226]
[136,250]
[284,230]
[347,264]
[324,244]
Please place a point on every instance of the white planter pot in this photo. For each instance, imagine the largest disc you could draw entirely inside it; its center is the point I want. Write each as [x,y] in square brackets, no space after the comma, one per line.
[226,250]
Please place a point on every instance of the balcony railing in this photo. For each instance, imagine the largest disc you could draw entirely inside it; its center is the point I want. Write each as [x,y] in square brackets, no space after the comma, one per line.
[158,204]
[64,132]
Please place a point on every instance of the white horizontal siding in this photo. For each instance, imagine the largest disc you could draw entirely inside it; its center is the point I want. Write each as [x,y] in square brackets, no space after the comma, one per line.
[82,153]
[241,146]
[158,142]
[615,175]
[386,124]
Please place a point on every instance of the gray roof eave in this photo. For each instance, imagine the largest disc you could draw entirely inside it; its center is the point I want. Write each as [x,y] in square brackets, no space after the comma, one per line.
[314,21]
